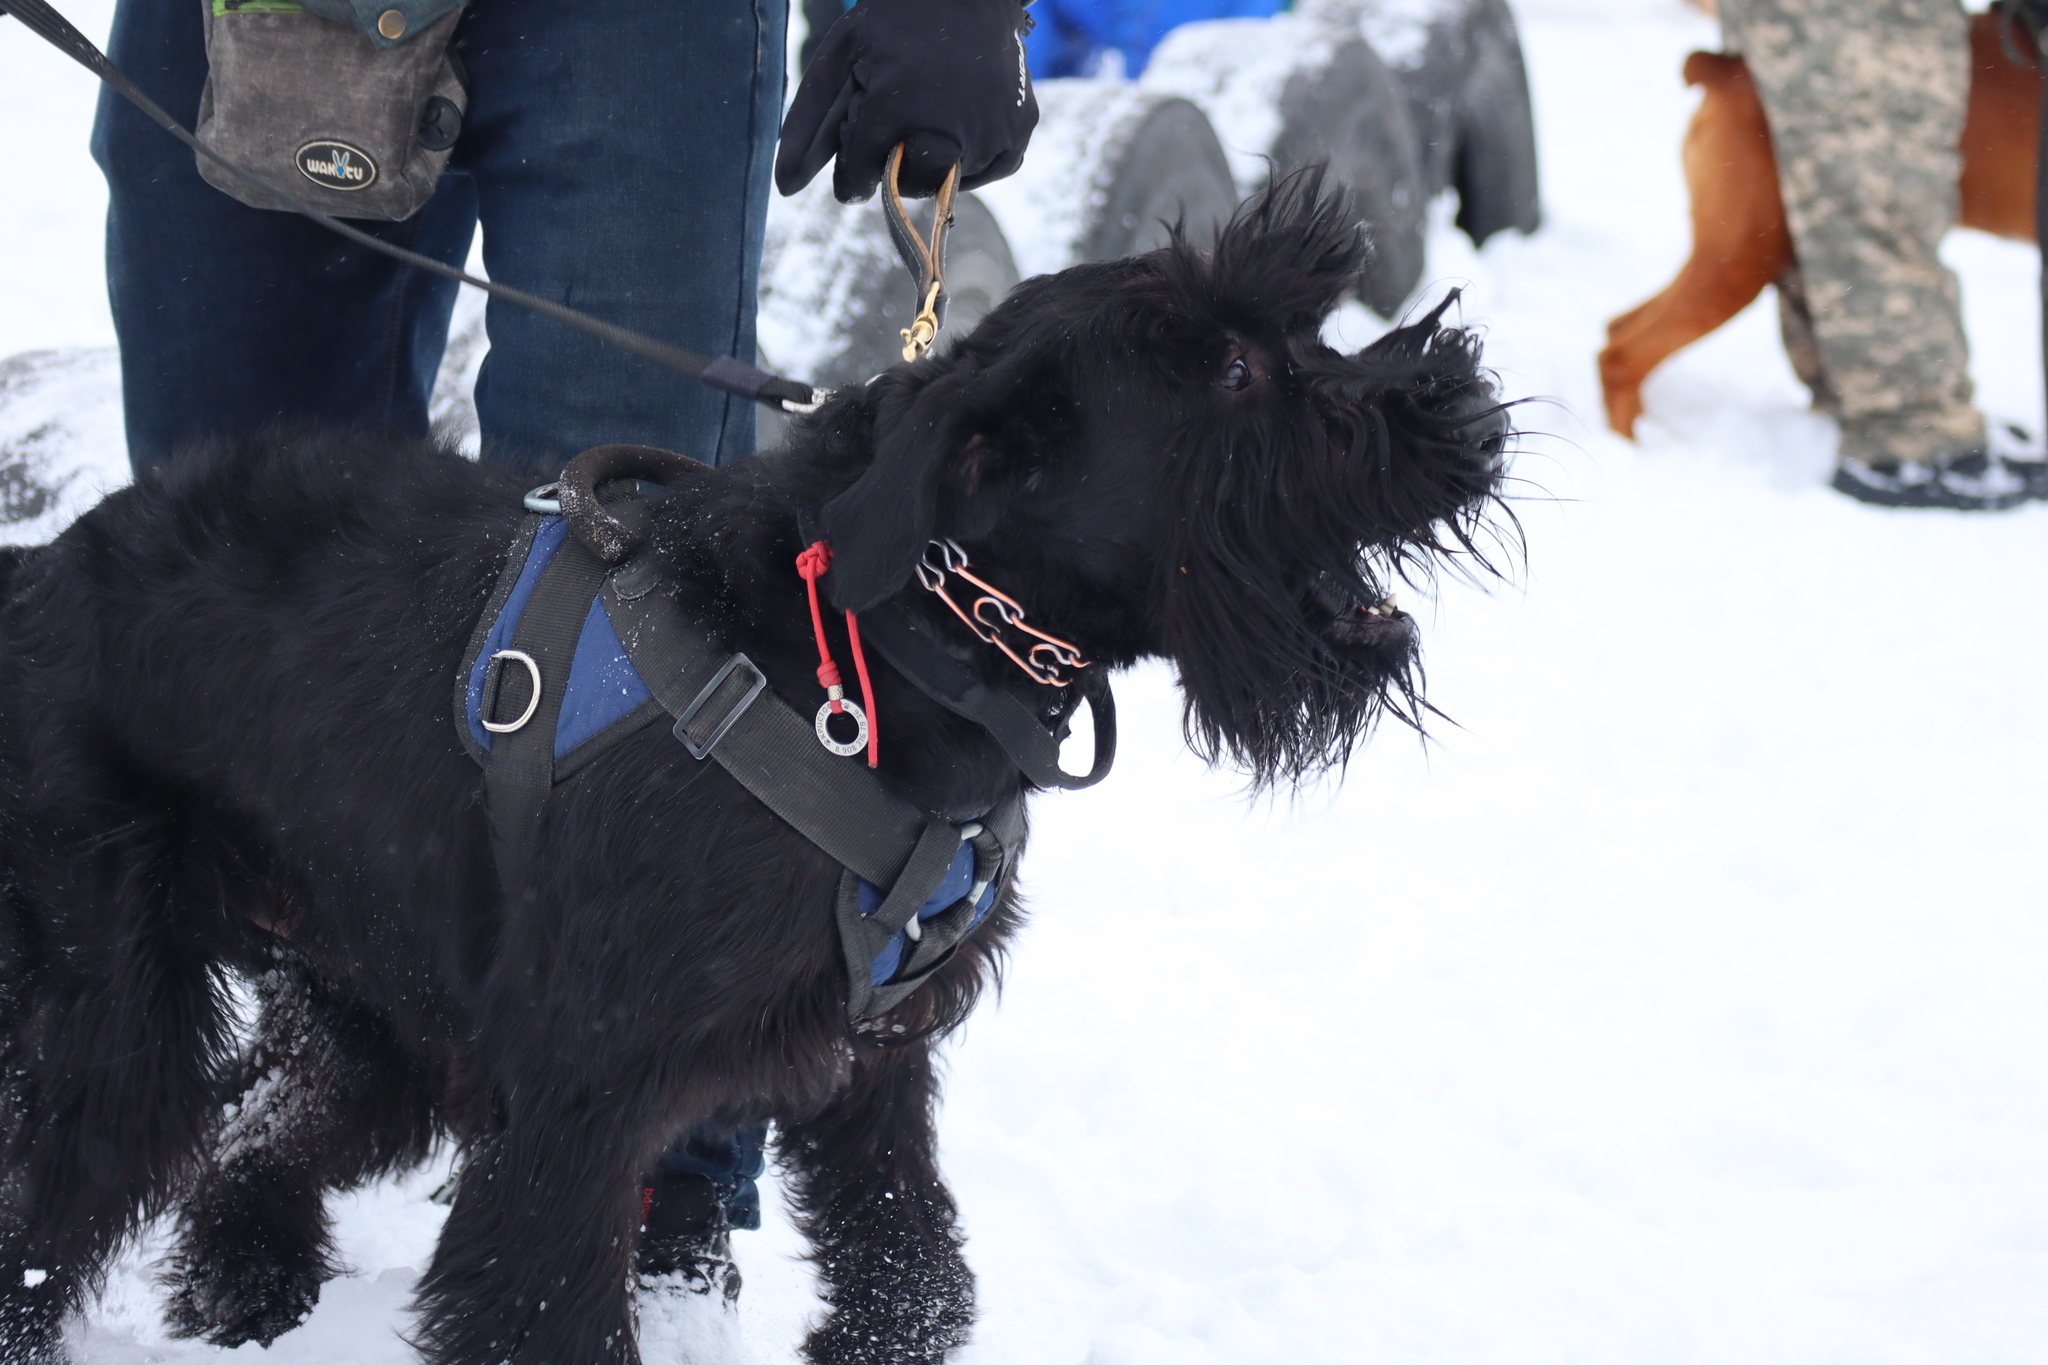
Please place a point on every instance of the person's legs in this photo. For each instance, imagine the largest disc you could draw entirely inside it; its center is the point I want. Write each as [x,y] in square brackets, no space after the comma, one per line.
[700,1189]
[230,317]
[621,154]
[1866,101]
[732,1162]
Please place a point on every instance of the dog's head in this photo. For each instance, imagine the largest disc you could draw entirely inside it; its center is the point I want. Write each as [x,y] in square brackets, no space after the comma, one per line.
[1160,455]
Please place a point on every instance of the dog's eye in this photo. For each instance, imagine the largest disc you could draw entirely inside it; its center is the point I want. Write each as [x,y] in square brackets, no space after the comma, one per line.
[1236,375]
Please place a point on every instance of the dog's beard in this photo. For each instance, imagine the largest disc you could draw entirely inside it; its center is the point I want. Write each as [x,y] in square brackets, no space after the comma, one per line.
[1294,522]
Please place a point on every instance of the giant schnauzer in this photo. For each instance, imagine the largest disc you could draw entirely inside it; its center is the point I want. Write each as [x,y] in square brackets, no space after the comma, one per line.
[226,747]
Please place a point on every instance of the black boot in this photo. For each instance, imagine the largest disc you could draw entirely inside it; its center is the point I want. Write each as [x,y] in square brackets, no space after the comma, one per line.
[1976,481]
[685,1238]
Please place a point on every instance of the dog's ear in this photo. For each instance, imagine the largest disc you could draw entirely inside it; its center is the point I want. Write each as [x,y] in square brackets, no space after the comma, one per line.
[1289,253]
[880,525]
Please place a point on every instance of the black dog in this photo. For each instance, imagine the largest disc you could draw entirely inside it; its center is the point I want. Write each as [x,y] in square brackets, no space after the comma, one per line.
[224,726]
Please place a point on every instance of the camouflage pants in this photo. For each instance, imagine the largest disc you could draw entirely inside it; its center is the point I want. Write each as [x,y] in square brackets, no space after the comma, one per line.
[1866,102]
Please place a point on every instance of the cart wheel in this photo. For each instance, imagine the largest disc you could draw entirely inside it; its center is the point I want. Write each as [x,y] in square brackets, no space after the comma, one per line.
[1351,115]
[1495,168]
[61,442]
[1169,169]
[1112,166]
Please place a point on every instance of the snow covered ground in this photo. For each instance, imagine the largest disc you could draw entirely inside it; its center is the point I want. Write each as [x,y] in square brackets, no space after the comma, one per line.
[1688,1003]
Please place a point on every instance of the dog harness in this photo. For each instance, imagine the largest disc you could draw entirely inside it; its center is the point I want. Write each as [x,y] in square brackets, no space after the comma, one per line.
[572,655]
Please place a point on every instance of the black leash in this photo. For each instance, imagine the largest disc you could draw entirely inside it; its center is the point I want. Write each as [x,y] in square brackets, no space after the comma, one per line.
[720,372]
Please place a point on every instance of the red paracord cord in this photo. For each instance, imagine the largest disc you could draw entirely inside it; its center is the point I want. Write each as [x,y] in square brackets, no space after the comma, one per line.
[812,565]
[867,700]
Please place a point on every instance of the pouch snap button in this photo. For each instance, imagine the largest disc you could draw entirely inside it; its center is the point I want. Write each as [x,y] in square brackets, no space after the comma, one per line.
[391,24]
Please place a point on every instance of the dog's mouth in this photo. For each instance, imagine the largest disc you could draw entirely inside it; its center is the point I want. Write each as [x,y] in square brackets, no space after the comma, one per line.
[1357,623]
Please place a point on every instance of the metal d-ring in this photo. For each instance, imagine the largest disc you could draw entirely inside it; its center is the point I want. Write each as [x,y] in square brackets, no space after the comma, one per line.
[545,500]
[860,730]
[532,703]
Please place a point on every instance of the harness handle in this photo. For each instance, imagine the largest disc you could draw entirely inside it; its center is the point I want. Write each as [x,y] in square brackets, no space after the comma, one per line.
[926,263]
[597,526]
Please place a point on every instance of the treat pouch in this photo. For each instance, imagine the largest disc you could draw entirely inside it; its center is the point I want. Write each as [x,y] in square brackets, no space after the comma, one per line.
[358,117]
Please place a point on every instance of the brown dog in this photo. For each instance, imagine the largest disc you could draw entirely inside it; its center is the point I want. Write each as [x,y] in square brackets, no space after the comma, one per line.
[1739,239]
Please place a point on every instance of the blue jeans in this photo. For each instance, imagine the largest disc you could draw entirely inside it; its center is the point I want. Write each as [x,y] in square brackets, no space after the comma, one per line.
[732,1162]
[617,156]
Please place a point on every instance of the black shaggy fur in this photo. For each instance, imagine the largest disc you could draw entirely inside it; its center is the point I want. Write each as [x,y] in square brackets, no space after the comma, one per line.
[226,747]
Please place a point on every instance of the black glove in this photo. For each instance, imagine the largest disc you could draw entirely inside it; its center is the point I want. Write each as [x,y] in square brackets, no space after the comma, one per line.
[945,77]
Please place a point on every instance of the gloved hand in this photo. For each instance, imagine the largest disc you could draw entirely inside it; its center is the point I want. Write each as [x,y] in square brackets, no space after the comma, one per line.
[945,77]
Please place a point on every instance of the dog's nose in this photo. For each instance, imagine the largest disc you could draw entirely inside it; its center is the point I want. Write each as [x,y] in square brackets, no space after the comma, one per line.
[1479,420]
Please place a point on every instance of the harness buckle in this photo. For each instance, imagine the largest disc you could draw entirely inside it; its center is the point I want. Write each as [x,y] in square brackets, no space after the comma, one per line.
[710,689]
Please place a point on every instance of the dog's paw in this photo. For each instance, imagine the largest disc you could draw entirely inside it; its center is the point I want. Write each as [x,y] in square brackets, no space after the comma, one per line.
[252,1300]
[710,1278]
[909,1324]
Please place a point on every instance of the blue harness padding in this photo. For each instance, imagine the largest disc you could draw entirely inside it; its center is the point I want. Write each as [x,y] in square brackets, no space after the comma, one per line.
[958,881]
[604,688]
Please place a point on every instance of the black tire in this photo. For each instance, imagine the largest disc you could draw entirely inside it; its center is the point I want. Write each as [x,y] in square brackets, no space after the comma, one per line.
[1495,169]
[979,272]
[1352,116]
[1468,103]
[1170,169]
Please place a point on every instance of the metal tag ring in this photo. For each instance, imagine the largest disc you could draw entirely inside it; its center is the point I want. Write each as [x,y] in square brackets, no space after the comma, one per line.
[859,741]
[533,702]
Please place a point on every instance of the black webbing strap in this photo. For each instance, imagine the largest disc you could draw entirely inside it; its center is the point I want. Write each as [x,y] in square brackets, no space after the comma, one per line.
[723,709]
[724,712]
[863,938]
[722,372]
[521,768]
[494,605]
[908,646]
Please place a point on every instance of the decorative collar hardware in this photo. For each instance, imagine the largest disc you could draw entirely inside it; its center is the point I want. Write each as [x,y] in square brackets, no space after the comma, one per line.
[995,611]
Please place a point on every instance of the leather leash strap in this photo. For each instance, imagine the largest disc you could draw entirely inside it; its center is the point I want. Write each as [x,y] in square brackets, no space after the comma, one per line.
[719,372]
[925,262]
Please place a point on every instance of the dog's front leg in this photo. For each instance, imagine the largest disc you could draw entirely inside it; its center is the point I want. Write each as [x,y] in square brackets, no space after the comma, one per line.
[333,1100]
[531,1268]
[867,1191]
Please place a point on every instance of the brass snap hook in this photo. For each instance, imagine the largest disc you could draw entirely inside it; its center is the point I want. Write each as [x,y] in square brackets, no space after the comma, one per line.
[926,261]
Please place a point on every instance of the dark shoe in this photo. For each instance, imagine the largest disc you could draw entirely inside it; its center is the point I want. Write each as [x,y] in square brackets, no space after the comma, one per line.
[1976,482]
[685,1238]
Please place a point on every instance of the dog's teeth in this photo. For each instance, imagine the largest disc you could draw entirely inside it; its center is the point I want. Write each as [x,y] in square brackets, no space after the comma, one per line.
[1387,604]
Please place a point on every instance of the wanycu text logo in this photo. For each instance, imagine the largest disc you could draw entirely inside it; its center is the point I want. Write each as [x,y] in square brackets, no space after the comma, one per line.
[337,166]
